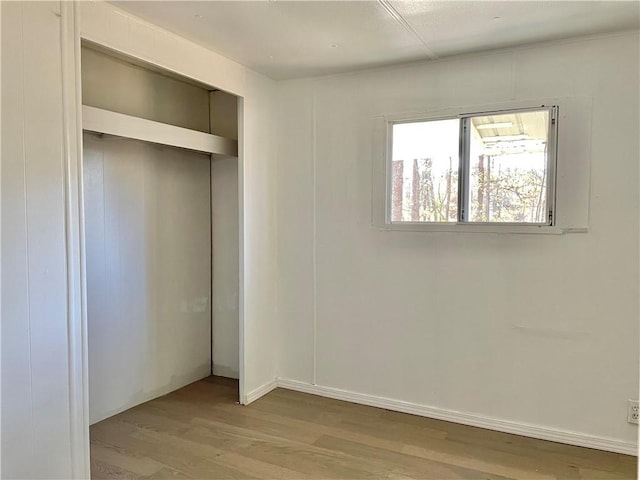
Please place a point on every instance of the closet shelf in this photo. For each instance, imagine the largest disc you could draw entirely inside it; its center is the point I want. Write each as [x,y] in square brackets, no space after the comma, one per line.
[113,123]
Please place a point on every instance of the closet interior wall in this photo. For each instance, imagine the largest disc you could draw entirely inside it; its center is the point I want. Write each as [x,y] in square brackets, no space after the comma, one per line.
[162,308]
[225,241]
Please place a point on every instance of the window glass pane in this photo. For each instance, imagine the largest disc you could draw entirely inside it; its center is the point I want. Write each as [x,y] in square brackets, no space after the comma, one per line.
[508,167]
[424,171]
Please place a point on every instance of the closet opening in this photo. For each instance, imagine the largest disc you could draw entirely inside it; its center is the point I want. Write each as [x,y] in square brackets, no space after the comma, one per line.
[162,222]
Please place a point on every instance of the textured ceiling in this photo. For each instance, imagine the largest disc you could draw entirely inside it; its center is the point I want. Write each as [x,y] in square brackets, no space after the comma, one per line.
[288,39]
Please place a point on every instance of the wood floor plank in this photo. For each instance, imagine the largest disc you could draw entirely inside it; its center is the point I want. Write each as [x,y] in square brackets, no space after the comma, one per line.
[205,444]
[176,456]
[294,426]
[510,442]
[167,473]
[201,432]
[302,458]
[132,462]
[404,464]
[103,470]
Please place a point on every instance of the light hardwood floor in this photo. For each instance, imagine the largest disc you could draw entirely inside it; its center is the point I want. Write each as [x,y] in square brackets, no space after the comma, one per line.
[201,432]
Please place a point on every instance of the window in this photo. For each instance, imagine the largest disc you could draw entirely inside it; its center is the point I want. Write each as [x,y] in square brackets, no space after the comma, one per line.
[485,168]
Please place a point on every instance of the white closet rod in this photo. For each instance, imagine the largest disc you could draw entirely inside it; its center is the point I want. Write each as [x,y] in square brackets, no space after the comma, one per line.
[113,123]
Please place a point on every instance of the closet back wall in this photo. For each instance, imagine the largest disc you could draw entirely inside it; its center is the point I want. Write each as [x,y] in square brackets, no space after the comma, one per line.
[148,275]
[119,86]
[148,237]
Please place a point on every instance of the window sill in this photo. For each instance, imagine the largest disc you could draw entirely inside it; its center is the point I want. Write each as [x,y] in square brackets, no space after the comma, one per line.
[479,228]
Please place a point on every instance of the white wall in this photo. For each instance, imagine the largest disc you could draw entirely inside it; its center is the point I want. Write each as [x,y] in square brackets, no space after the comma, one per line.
[259,232]
[533,329]
[148,244]
[36,434]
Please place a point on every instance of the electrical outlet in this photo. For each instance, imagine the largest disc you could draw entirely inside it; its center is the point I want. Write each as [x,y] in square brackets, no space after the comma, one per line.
[633,412]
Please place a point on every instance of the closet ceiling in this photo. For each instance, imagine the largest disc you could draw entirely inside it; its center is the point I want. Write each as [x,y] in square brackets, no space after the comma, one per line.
[289,39]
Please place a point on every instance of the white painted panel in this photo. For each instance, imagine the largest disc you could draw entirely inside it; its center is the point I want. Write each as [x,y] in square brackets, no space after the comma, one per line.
[17,421]
[148,270]
[225,267]
[45,219]
[296,233]
[35,382]
[510,327]
[259,259]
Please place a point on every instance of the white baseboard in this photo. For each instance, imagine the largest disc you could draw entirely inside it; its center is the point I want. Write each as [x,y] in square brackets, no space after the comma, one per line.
[261,391]
[526,430]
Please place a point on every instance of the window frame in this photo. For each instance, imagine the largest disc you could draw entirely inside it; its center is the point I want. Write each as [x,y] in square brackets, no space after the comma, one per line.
[464,175]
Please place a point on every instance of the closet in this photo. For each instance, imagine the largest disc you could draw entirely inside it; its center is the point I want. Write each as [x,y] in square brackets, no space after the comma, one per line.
[160,177]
